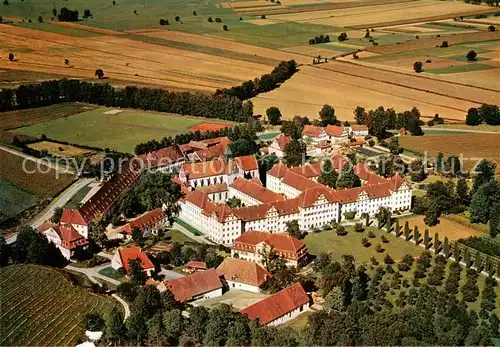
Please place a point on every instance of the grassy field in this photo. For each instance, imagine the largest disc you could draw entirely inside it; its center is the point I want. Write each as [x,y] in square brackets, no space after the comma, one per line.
[13,200]
[43,182]
[40,307]
[336,246]
[460,68]
[111,273]
[22,118]
[179,237]
[75,202]
[121,132]
[473,147]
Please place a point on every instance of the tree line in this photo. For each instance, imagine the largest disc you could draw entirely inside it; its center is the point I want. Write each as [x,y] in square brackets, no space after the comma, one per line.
[265,83]
[185,103]
[380,120]
[489,114]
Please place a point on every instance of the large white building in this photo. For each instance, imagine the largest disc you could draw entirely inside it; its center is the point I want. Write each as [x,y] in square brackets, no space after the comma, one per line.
[293,194]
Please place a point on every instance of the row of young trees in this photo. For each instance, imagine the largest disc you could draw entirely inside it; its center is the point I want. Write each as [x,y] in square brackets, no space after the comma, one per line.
[186,103]
[265,83]
[380,120]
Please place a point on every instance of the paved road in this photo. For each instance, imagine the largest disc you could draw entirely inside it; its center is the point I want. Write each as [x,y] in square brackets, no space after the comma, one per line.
[92,273]
[40,161]
[59,201]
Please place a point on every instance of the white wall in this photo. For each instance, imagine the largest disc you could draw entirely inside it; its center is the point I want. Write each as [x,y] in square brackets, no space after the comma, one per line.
[208,295]
[242,286]
[290,315]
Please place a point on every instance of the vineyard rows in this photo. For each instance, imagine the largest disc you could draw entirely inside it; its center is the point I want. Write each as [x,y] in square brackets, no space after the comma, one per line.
[40,307]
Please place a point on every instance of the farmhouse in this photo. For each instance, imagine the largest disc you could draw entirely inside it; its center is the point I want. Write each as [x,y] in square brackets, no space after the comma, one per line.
[242,274]
[280,307]
[194,265]
[200,285]
[336,133]
[315,134]
[164,159]
[149,222]
[358,130]
[252,245]
[123,256]
[278,145]
[76,220]
[66,238]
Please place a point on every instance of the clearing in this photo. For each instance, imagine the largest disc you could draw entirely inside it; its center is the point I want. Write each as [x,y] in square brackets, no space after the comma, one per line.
[41,307]
[61,150]
[97,129]
[336,246]
[446,228]
[473,147]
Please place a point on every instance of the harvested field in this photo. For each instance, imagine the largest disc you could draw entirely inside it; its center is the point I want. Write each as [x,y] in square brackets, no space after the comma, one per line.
[88,28]
[60,150]
[97,129]
[345,88]
[21,118]
[446,228]
[432,42]
[384,15]
[124,59]
[221,43]
[40,307]
[473,147]
[32,176]
[247,4]
[315,7]
[260,21]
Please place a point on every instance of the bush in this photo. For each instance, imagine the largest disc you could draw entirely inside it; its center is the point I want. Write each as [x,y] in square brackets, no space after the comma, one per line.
[418,66]
[471,56]
[379,248]
[225,28]
[482,245]
[177,18]
[373,261]
[263,16]
[371,234]
[444,44]
[491,28]
[218,20]
[210,20]
[341,231]
[365,242]
[342,37]
[358,227]
[371,143]
[388,260]
[350,215]
[384,239]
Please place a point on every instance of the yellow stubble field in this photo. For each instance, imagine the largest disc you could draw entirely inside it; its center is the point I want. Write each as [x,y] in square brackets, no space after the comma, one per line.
[123,60]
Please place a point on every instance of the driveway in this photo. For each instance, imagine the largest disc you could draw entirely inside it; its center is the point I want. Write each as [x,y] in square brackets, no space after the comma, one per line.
[169,274]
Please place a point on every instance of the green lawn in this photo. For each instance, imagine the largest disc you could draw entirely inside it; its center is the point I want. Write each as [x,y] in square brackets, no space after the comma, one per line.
[121,132]
[111,273]
[13,200]
[179,237]
[188,227]
[336,246]
[75,201]
[268,136]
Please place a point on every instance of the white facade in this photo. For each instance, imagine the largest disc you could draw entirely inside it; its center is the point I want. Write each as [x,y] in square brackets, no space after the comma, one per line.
[242,286]
[53,237]
[81,229]
[290,315]
[274,148]
[209,295]
[358,132]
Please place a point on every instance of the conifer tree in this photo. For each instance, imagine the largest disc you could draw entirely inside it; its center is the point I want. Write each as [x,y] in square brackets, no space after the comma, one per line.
[446,248]
[416,235]
[426,239]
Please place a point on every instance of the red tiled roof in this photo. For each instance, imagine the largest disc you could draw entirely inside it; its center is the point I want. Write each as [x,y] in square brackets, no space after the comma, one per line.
[72,217]
[313,131]
[334,130]
[188,287]
[309,196]
[323,145]
[131,253]
[163,156]
[256,212]
[278,170]
[242,271]
[338,162]
[197,264]
[287,245]
[255,190]
[247,162]
[198,198]
[277,305]
[204,168]
[308,170]
[70,238]
[359,127]
[105,197]
[297,181]
[214,188]
[282,141]
[145,221]
[221,212]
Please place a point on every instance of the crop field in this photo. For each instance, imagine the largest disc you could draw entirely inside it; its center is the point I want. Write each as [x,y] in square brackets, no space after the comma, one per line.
[345,87]
[13,200]
[336,246]
[41,308]
[21,118]
[32,177]
[473,147]
[121,132]
[123,60]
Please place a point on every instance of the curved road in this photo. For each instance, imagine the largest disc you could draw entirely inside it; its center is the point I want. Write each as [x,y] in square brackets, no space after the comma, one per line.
[59,201]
